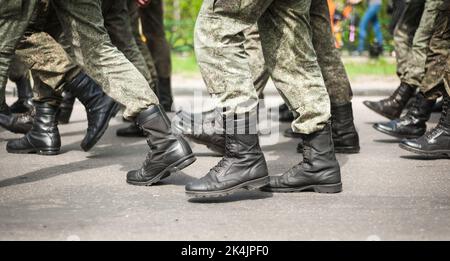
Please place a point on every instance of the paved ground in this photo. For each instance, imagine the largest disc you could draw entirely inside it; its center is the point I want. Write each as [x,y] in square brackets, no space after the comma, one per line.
[389,194]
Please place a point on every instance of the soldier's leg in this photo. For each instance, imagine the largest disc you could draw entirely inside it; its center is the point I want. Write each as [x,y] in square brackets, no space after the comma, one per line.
[225,68]
[195,126]
[436,142]
[19,74]
[152,17]
[14,19]
[437,55]
[224,63]
[104,62]
[53,68]
[258,67]
[141,41]
[404,32]
[132,130]
[83,24]
[413,124]
[292,61]
[416,62]
[335,77]
[117,23]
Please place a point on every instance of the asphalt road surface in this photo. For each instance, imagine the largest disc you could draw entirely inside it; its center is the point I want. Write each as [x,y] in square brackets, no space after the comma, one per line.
[389,194]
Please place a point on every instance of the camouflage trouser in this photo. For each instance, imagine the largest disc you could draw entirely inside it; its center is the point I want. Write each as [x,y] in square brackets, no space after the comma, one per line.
[404,34]
[258,68]
[328,57]
[49,63]
[152,18]
[438,52]
[118,24]
[133,11]
[14,18]
[447,76]
[92,48]
[288,51]
[415,67]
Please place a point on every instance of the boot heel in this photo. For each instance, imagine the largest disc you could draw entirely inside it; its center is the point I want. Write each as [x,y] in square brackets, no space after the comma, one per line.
[48,152]
[334,188]
[185,163]
[258,183]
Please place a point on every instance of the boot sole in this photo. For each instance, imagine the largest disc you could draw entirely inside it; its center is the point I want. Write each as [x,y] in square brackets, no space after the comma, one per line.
[398,136]
[432,154]
[177,166]
[332,188]
[114,109]
[46,152]
[248,185]
[343,150]
[380,112]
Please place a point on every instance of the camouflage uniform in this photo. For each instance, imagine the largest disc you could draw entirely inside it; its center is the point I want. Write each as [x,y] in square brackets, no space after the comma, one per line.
[118,24]
[328,57]
[83,26]
[152,17]
[258,67]
[288,51]
[133,11]
[404,33]
[415,67]
[438,51]
[447,76]
[14,18]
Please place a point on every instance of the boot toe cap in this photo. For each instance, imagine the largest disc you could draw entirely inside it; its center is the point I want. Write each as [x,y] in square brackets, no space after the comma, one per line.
[383,127]
[412,143]
[195,186]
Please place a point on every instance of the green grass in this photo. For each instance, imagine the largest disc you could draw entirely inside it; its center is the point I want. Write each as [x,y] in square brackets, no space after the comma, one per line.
[186,64]
[372,67]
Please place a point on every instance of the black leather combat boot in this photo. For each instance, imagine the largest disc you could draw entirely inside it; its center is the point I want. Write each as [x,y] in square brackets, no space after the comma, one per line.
[319,171]
[392,106]
[285,115]
[199,128]
[66,108]
[131,131]
[168,153]
[243,165]
[436,142]
[165,93]
[413,124]
[24,102]
[345,136]
[99,107]
[44,137]
[18,123]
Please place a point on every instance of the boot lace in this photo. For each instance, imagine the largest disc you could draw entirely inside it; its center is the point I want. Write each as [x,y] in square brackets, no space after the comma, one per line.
[216,169]
[438,129]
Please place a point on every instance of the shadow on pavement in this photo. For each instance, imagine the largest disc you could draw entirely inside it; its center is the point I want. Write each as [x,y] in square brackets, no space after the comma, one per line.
[115,155]
[424,158]
[393,140]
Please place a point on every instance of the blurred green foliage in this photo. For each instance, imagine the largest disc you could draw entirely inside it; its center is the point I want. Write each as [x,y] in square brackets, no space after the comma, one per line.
[180,18]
